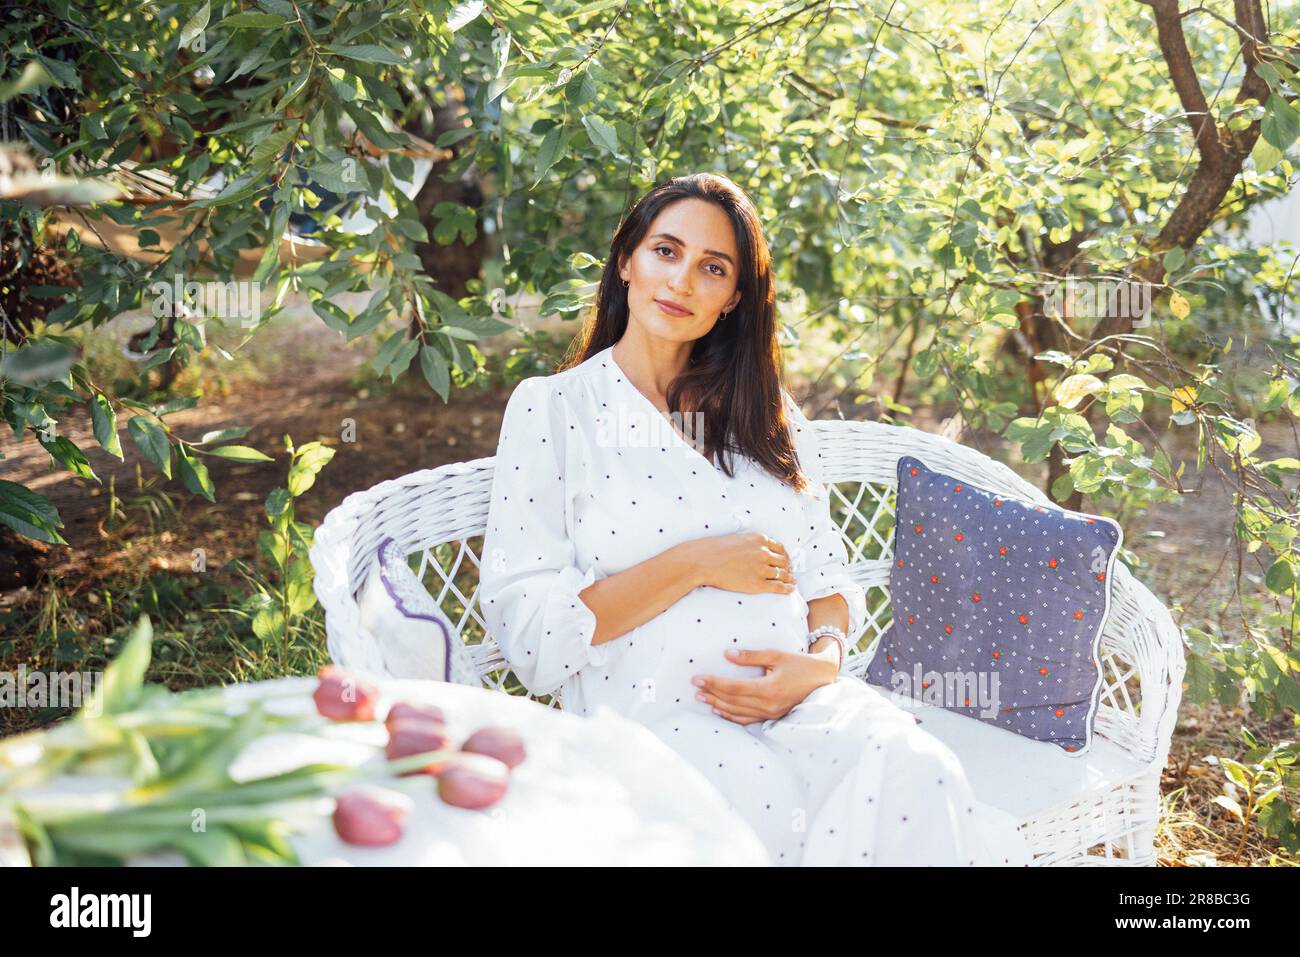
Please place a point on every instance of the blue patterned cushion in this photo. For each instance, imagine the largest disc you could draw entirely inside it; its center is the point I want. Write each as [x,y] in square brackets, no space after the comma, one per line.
[998,607]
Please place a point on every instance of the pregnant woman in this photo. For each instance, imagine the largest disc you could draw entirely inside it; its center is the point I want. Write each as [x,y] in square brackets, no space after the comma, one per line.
[634,559]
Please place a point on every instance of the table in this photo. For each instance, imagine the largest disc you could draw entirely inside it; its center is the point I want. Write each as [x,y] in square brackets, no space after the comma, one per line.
[595,790]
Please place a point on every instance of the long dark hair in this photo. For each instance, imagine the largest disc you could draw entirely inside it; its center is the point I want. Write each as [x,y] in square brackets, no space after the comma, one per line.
[733,377]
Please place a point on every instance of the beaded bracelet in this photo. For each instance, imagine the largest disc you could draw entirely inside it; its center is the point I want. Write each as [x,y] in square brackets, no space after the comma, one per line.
[840,639]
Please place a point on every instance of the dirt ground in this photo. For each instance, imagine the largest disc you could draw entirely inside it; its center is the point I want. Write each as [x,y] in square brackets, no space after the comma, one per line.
[312,385]
[312,395]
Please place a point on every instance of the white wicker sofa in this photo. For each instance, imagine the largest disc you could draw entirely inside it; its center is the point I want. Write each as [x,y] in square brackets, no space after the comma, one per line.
[1097,808]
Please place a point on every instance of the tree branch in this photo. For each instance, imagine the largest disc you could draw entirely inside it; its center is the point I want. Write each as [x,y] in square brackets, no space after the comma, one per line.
[1173,47]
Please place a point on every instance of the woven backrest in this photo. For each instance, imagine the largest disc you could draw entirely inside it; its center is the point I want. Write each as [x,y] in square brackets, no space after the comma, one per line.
[439,515]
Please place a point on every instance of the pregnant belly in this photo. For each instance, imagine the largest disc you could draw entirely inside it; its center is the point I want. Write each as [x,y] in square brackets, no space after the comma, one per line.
[695,633]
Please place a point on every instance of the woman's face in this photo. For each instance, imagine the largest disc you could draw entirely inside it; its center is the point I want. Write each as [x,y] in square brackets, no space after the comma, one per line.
[688,258]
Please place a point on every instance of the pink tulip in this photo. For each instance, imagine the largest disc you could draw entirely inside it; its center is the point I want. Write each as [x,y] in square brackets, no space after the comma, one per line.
[408,736]
[343,696]
[504,744]
[406,709]
[371,816]
[473,781]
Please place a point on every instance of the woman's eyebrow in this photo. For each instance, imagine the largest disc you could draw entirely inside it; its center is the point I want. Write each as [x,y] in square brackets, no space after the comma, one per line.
[707,252]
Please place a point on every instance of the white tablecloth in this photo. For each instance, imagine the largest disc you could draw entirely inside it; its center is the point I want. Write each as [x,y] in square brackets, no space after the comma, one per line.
[595,790]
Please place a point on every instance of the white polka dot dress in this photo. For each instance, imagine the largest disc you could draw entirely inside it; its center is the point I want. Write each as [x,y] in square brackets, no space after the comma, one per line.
[591,479]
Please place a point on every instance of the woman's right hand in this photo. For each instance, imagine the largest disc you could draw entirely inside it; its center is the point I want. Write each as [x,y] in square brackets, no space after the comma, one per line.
[748,562]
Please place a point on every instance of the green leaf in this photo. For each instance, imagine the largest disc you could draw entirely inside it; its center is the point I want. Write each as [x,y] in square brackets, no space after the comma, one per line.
[32,77]
[274,547]
[61,72]
[1265,155]
[964,235]
[252,20]
[411,230]
[270,148]
[234,191]
[221,435]
[343,84]
[1288,693]
[124,677]
[373,130]
[1097,362]
[239,453]
[66,453]
[602,133]
[334,316]
[1229,805]
[388,351]
[300,595]
[549,152]
[579,90]
[1235,772]
[1280,578]
[453,136]
[308,461]
[1281,123]
[277,502]
[152,441]
[337,176]
[1058,359]
[194,474]
[1038,446]
[1063,487]
[925,363]
[454,219]
[104,421]
[402,167]
[29,514]
[367,53]
[196,24]
[403,358]
[1074,389]
[266,840]
[464,13]
[434,366]
[214,847]
[37,363]
[1284,464]
[176,405]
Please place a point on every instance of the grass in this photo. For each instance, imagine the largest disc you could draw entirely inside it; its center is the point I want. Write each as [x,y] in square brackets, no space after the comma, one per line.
[1194,829]
[203,633]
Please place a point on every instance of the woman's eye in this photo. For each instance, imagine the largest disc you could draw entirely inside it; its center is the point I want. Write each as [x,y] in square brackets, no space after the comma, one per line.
[720,270]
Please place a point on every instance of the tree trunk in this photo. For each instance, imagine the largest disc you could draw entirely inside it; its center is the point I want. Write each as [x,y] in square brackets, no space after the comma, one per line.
[450,267]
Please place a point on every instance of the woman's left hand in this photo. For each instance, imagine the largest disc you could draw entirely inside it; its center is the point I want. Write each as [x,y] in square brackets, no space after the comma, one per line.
[790,677]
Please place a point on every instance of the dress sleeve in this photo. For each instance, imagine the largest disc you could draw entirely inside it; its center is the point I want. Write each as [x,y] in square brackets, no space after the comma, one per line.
[821,568]
[528,579]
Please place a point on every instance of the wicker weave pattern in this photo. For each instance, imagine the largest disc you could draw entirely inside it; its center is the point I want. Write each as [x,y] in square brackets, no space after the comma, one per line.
[440,514]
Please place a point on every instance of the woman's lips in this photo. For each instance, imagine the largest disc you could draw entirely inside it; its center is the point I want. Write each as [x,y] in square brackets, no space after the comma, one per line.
[672,310]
